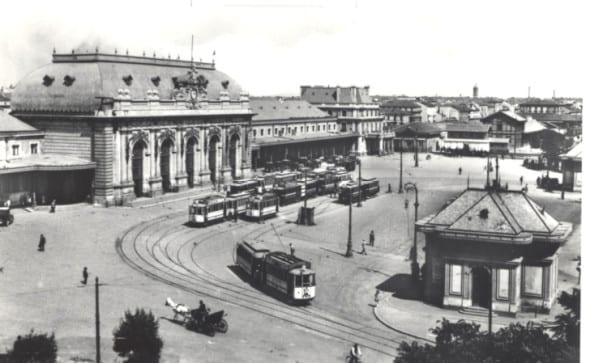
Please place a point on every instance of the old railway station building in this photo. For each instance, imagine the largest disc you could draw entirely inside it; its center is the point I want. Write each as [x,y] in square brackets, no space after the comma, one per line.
[288,129]
[149,125]
[356,112]
[492,246]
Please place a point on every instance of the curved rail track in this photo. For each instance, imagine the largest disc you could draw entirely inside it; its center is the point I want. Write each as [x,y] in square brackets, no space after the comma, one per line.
[165,250]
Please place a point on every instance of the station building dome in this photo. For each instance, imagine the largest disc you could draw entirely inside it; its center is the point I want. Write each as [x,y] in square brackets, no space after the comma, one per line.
[77,83]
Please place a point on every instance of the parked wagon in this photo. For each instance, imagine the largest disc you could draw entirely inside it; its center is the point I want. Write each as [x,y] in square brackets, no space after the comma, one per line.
[6,218]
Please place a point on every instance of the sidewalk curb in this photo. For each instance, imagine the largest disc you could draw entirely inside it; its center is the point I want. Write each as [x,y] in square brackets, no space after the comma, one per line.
[382,321]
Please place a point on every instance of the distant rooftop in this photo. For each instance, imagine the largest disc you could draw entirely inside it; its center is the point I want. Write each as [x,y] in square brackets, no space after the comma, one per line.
[279,108]
[83,57]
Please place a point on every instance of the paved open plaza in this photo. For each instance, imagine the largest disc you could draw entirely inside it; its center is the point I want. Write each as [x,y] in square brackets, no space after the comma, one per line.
[144,255]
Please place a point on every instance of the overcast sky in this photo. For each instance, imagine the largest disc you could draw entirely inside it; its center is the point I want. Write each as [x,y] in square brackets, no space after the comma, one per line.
[271,47]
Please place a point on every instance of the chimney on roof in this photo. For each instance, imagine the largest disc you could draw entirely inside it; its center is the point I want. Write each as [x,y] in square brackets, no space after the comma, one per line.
[529,95]
[337,94]
[475,91]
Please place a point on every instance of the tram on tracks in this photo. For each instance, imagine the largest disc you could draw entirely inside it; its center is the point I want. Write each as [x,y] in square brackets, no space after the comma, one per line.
[243,185]
[262,206]
[369,188]
[277,271]
[266,181]
[289,193]
[309,187]
[208,209]
[237,204]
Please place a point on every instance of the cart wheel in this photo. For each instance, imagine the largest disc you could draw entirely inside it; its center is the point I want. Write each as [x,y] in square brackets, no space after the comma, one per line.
[222,326]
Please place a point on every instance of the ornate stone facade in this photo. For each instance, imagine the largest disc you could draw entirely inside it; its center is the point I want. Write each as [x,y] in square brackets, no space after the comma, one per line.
[151,125]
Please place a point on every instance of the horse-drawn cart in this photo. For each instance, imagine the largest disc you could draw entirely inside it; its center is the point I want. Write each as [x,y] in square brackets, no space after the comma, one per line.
[195,320]
[6,218]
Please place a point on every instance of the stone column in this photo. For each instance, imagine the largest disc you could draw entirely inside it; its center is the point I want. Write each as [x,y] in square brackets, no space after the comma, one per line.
[181,176]
[155,182]
[225,170]
[103,156]
[204,172]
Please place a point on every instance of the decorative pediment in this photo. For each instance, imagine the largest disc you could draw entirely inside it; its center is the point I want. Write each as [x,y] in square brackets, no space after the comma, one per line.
[214,131]
[167,134]
[139,136]
[234,130]
[191,86]
[192,132]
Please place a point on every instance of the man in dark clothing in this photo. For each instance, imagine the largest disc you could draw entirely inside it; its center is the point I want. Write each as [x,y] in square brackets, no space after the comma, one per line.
[84,275]
[52,208]
[292,249]
[372,238]
[41,246]
[521,179]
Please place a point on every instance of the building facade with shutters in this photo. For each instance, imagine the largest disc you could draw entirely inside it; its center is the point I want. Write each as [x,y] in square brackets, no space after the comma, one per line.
[356,113]
[150,125]
[288,129]
[492,246]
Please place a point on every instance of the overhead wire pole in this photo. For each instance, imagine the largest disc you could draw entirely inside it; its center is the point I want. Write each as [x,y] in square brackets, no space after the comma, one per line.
[97,318]
[401,166]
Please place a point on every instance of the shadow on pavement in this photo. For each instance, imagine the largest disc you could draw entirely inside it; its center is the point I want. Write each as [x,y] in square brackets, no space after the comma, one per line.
[401,286]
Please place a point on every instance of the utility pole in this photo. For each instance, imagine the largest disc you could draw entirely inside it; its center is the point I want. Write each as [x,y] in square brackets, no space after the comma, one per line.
[360,182]
[349,242]
[414,251]
[416,151]
[97,321]
[401,166]
[490,309]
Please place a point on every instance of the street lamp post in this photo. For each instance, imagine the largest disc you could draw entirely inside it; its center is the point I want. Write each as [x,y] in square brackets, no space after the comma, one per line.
[414,251]
[360,181]
[401,166]
[415,151]
[349,242]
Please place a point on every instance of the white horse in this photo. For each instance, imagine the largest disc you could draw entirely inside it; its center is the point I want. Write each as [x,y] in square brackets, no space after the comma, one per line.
[179,309]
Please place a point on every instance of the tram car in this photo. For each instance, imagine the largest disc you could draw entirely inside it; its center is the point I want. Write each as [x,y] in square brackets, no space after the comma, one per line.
[309,187]
[266,181]
[369,188]
[332,180]
[262,206]
[244,185]
[281,179]
[289,193]
[207,209]
[279,272]
[237,204]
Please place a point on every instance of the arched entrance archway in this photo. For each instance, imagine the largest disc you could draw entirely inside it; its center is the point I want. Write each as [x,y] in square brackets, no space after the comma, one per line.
[481,288]
[137,167]
[191,145]
[213,158]
[165,152]
[234,155]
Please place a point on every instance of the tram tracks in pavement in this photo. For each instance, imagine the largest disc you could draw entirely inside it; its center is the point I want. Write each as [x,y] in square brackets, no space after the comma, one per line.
[232,293]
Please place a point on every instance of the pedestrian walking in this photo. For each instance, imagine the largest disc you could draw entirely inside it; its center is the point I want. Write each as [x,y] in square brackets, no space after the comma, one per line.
[42,241]
[84,275]
[521,180]
[292,249]
[460,170]
[363,250]
[372,238]
[389,188]
[52,209]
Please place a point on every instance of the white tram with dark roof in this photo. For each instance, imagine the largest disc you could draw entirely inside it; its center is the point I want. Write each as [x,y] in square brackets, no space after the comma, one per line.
[208,209]
[262,206]
[279,272]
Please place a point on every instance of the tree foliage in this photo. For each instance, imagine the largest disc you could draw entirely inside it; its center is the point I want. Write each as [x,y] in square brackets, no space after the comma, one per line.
[463,342]
[137,339]
[568,324]
[34,348]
